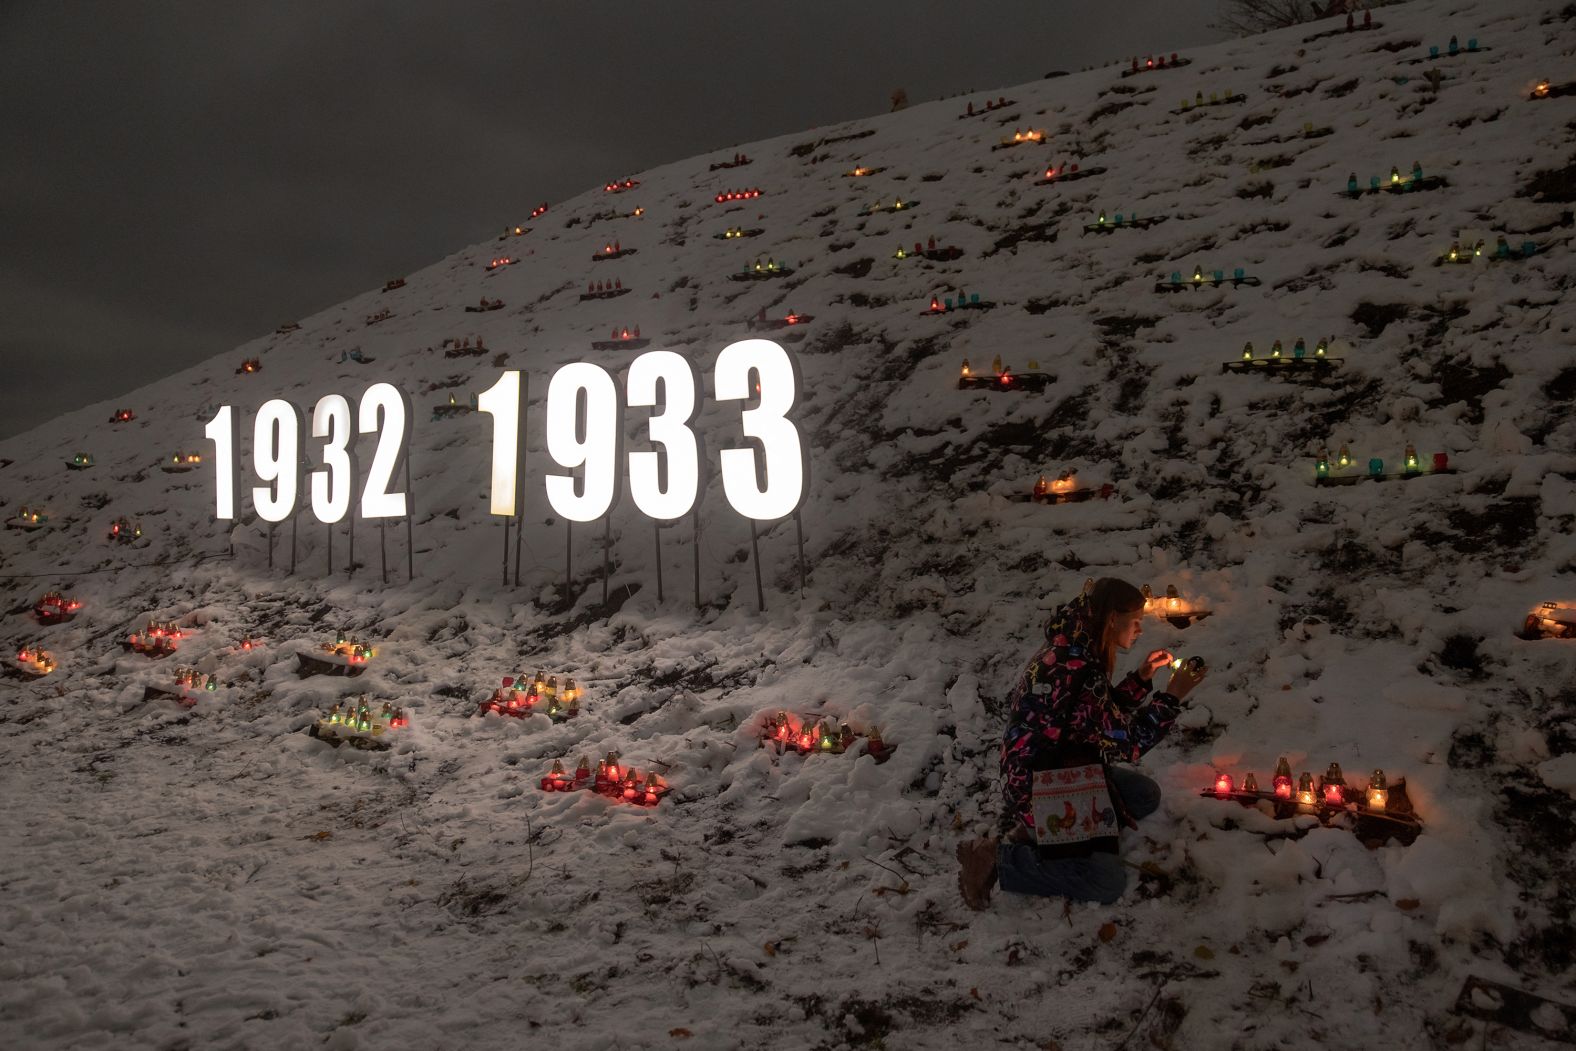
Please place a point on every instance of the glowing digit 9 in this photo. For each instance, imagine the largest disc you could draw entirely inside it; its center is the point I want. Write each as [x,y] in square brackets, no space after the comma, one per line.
[276,459]
[584,439]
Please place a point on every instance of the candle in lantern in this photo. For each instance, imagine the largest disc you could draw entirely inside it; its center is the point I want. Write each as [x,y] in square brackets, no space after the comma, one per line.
[1333,785]
[1282,779]
[1173,598]
[652,787]
[1247,351]
[1250,784]
[1305,797]
[1222,786]
[1378,791]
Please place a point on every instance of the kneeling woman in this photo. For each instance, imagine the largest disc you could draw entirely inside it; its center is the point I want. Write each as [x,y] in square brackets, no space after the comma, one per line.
[1063,800]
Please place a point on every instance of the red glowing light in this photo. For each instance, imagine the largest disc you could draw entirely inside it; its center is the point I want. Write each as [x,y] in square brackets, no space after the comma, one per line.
[1334,795]
[1223,786]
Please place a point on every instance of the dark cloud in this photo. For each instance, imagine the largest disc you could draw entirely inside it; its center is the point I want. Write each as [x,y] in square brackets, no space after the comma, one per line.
[181,177]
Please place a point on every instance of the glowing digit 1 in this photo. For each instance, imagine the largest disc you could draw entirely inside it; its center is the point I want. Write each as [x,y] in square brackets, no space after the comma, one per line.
[785,464]
[333,482]
[221,430]
[669,429]
[597,451]
[502,401]
[276,459]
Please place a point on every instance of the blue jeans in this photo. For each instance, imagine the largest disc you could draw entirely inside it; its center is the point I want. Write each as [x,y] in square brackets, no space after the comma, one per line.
[1099,877]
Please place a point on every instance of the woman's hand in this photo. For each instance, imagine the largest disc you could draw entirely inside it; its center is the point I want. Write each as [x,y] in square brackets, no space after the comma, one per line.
[1183,680]
[1153,663]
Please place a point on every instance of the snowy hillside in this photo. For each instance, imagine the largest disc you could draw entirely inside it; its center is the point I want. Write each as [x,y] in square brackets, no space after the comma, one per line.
[213,876]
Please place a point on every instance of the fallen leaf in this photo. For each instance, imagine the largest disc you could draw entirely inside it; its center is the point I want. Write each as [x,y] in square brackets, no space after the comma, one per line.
[975,992]
[1407,904]
[1107,931]
[1204,952]
[680,1033]
[771,948]
[959,946]
[320,836]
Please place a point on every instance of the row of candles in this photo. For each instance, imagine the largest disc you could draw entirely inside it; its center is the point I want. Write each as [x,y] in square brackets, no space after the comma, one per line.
[1411,464]
[158,638]
[1299,349]
[1332,791]
[192,679]
[1396,179]
[35,660]
[1065,482]
[358,717]
[1217,276]
[611,779]
[1466,253]
[124,529]
[814,734]
[55,606]
[353,651]
[903,253]
[997,367]
[517,697]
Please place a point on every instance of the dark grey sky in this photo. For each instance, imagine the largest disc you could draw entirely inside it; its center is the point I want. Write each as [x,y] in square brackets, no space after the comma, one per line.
[178,178]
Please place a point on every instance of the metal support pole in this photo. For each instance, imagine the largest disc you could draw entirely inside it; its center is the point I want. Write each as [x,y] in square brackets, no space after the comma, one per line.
[383,547]
[657,530]
[755,548]
[270,545]
[295,521]
[410,529]
[519,478]
[798,525]
[607,539]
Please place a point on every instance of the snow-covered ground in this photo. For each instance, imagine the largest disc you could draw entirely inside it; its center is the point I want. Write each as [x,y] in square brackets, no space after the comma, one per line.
[214,877]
